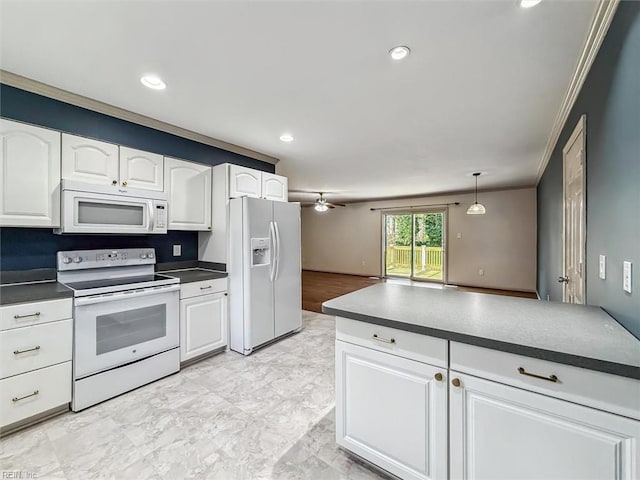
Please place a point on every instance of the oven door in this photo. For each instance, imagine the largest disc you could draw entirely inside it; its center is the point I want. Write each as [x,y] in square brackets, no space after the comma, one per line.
[115,329]
[86,212]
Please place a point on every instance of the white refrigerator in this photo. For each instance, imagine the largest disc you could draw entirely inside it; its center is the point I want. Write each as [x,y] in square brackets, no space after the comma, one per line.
[265,299]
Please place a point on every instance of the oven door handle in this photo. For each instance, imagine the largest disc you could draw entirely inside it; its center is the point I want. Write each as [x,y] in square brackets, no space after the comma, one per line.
[125,296]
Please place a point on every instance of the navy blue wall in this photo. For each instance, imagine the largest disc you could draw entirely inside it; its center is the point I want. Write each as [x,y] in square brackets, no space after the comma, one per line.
[610,98]
[26,248]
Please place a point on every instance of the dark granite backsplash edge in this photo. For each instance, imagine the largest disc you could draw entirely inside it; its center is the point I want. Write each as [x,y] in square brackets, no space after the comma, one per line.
[22,276]
[163,267]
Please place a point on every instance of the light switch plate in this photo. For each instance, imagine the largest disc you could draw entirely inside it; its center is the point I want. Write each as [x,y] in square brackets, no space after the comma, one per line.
[626,276]
[602,267]
[177,250]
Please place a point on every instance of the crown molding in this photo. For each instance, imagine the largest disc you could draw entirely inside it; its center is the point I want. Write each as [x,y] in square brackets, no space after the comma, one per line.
[49,91]
[597,31]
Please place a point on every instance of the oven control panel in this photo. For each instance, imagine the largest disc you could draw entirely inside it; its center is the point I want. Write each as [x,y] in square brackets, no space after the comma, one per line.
[87,259]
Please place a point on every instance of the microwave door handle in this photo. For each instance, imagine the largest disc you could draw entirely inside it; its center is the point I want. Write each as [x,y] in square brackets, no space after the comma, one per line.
[151,221]
[81,301]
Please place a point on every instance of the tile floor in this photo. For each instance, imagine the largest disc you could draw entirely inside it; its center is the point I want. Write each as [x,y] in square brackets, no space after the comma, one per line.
[266,416]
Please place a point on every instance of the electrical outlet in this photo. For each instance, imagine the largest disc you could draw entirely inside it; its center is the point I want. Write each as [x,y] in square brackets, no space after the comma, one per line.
[481,272]
[626,276]
[363,263]
[602,267]
[177,250]
[458,235]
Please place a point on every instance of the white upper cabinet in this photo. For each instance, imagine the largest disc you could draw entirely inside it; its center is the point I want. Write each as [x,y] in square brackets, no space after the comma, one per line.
[244,182]
[140,169]
[102,163]
[188,188]
[89,161]
[274,187]
[29,176]
[247,182]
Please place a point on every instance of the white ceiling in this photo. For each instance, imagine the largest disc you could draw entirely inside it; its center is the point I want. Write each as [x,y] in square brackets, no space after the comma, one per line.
[479,92]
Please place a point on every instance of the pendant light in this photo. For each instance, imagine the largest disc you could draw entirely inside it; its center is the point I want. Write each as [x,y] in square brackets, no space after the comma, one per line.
[476,208]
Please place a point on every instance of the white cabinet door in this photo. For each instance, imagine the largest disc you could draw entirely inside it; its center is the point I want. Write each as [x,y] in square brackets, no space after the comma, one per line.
[244,182]
[274,187]
[392,411]
[188,187]
[29,176]
[89,161]
[502,432]
[140,169]
[203,325]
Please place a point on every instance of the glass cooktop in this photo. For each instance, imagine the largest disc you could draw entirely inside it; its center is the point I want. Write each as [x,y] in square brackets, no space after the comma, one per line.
[115,282]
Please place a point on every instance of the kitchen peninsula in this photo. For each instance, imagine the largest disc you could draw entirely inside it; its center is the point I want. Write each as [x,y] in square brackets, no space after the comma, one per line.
[432,383]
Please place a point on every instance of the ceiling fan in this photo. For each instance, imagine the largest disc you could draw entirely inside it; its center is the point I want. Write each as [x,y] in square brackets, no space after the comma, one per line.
[321,204]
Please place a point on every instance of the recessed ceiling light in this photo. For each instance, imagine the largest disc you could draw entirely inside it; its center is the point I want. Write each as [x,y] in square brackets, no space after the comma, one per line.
[286,137]
[529,3]
[152,81]
[400,52]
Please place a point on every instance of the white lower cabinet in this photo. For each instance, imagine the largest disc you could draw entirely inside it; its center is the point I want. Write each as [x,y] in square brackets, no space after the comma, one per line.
[203,322]
[35,361]
[496,415]
[392,411]
[502,432]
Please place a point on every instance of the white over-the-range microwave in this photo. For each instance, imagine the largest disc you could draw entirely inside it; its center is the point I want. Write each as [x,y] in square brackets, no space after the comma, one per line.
[87,208]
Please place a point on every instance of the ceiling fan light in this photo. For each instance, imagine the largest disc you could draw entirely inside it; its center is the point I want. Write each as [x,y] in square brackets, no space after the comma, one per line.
[321,207]
[476,209]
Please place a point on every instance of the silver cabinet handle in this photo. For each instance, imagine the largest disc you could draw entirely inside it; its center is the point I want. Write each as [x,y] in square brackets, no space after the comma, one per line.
[206,288]
[551,378]
[37,314]
[18,352]
[385,340]
[17,399]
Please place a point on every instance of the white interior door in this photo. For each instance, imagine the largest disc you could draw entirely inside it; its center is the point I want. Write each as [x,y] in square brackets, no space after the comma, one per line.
[573,276]
[287,283]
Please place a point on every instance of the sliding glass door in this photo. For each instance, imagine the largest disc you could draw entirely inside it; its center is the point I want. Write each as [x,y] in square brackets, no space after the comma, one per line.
[414,245]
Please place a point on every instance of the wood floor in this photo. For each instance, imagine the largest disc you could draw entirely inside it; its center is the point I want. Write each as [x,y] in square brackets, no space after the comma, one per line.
[318,287]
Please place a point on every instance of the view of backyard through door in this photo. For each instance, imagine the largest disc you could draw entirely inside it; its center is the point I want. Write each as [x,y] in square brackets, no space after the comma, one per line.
[414,245]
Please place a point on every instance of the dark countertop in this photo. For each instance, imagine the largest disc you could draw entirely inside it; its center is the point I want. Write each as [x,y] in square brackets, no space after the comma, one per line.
[194,274]
[33,292]
[579,335]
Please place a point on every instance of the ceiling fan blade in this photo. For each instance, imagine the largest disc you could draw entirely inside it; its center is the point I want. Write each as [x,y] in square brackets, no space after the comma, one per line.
[334,205]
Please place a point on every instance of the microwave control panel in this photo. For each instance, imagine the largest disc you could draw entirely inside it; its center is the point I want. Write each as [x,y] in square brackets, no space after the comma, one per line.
[161,216]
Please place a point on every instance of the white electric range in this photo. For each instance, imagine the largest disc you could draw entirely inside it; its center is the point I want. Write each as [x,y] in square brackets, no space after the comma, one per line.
[126,321]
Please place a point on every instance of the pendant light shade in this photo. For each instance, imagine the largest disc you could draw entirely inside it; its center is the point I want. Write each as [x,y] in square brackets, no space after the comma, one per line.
[476,208]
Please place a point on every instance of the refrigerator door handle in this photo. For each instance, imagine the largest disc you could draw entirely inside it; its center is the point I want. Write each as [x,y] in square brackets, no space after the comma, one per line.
[277,250]
[272,238]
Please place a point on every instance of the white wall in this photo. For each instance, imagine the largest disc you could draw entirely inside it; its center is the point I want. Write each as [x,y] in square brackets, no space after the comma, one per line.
[502,242]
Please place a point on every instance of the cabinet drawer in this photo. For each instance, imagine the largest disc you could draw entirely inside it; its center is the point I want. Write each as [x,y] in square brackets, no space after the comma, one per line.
[27,314]
[391,340]
[205,287]
[607,392]
[19,399]
[28,348]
